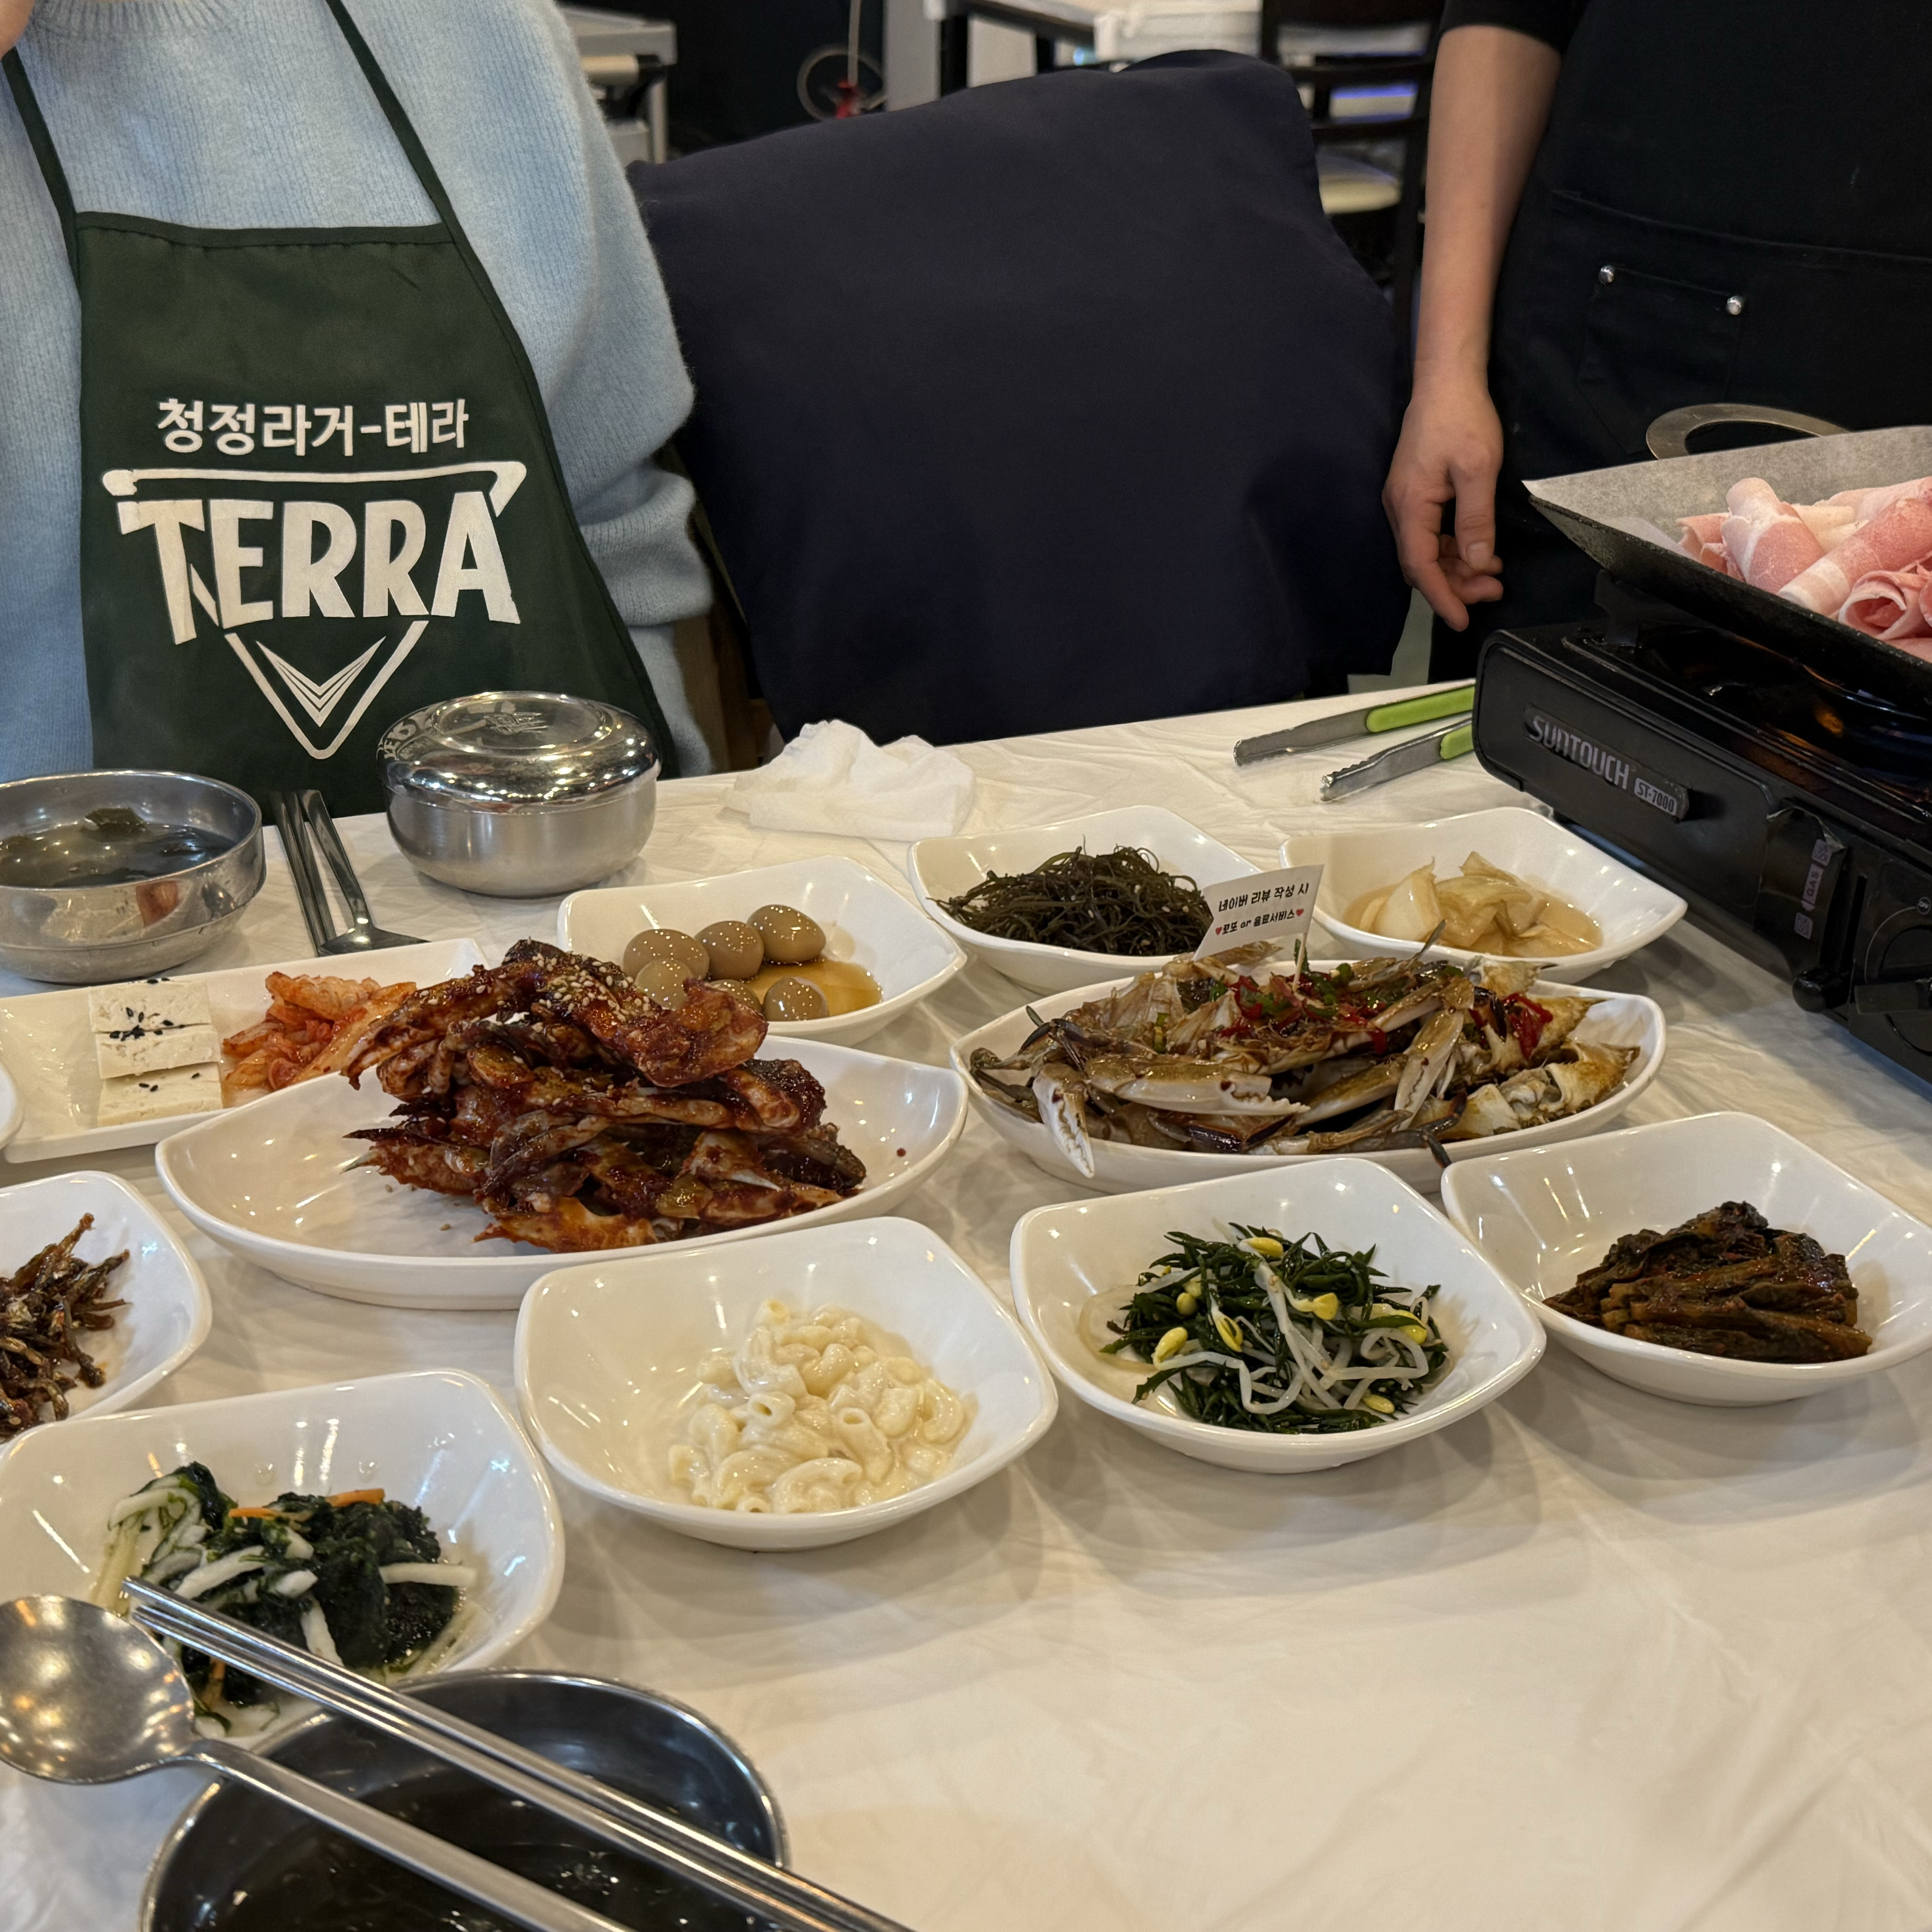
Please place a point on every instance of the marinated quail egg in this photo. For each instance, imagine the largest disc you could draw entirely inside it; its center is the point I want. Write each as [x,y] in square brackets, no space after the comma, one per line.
[736,949]
[662,980]
[792,998]
[790,937]
[666,943]
[741,989]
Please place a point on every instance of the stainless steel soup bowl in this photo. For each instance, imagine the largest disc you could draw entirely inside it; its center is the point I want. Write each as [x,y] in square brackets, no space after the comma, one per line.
[91,934]
[231,1839]
[520,794]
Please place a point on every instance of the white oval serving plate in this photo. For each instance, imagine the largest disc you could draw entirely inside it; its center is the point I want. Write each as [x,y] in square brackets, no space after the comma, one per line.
[1622,1019]
[277,1184]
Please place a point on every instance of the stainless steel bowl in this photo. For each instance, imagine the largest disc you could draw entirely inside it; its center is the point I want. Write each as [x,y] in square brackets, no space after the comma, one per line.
[233,1845]
[90,934]
[520,794]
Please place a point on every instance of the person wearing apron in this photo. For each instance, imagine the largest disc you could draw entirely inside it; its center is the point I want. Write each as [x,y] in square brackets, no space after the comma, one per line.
[1723,206]
[319,489]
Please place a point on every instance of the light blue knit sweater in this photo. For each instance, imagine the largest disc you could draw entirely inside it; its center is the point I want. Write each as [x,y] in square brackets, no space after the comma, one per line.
[252,113]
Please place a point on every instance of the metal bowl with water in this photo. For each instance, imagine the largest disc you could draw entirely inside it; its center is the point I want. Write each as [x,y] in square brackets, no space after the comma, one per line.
[520,794]
[238,1862]
[82,933]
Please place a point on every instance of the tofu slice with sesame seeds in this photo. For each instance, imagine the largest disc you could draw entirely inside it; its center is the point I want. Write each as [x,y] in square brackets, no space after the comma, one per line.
[154,1096]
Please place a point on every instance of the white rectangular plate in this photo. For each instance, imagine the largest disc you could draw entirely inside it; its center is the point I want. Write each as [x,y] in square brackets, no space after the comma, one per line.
[46,1046]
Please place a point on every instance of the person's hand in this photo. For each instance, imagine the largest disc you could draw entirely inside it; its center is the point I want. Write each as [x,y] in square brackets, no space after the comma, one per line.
[1451,447]
[13,21]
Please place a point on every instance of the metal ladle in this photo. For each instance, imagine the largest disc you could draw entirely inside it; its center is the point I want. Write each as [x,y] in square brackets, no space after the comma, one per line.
[85,1698]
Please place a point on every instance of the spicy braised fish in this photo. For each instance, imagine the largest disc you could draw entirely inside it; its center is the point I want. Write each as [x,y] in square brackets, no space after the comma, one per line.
[583,1114]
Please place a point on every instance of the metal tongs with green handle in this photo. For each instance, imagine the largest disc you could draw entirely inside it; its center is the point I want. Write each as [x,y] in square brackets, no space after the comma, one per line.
[1366,721]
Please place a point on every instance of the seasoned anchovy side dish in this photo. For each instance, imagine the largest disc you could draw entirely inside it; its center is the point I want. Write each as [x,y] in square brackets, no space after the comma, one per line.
[1292,1336]
[1361,1058]
[49,1304]
[354,1578]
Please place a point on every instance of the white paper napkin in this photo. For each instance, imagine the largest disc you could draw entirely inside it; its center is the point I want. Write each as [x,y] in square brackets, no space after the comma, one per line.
[832,778]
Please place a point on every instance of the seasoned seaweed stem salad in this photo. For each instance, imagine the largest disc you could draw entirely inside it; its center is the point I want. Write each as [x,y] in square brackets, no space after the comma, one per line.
[354,1579]
[1123,901]
[1294,1337]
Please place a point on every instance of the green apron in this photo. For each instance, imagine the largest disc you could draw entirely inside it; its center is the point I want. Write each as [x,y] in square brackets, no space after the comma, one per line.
[319,490]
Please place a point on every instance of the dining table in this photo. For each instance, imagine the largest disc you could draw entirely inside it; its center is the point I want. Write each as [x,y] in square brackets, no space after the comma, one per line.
[1588,1659]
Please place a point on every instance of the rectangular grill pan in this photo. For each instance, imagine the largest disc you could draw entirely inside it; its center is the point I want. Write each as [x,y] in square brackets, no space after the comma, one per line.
[1626,519]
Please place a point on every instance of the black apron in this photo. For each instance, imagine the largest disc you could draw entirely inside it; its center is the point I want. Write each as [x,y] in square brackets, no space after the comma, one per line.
[1726,208]
[319,490]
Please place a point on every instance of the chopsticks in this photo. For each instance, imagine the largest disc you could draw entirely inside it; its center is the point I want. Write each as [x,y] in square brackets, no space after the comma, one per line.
[738,1877]
[293,823]
[302,819]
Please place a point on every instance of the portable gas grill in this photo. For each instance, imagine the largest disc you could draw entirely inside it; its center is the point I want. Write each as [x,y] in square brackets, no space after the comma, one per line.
[1773,766]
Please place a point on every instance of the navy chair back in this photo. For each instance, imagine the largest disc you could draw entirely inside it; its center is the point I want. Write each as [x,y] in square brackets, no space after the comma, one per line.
[1053,403]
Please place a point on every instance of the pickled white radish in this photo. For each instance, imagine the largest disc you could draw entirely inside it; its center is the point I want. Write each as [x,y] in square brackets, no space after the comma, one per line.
[1413,911]
[1482,909]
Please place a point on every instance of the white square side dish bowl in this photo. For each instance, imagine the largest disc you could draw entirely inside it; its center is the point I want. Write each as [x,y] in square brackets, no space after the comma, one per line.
[942,868]
[278,1184]
[1630,911]
[438,1438]
[168,1312]
[1544,1215]
[866,922]
[1622,1019]
[13,1109]
[1063,1256]
[45,1039]
[607,1354]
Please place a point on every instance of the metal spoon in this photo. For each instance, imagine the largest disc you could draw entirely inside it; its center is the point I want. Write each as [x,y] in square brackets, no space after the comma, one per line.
[85,1698]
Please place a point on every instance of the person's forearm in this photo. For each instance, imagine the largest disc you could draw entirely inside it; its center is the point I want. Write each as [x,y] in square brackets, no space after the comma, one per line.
[13,21]
[1491,99]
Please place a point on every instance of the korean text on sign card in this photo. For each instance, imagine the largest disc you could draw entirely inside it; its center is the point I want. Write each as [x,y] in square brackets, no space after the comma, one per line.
[1274,906]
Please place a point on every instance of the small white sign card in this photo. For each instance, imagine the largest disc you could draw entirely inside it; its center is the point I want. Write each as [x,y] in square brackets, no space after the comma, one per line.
[1274,906]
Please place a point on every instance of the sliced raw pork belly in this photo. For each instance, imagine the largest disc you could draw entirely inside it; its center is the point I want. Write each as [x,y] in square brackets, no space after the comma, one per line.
[1831,522]
[1866,504]
[1770,543]
[1888,603]
[1704,539]
[1897,537]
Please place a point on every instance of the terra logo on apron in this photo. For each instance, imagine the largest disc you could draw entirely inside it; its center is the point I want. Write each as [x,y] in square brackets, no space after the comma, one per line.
[286,565]
[319,491]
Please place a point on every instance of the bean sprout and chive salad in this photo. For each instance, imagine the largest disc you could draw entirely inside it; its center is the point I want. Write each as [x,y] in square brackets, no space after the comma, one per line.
[1294,1337]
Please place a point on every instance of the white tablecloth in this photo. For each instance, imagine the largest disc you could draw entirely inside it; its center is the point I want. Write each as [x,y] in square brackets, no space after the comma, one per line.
[1589,1660]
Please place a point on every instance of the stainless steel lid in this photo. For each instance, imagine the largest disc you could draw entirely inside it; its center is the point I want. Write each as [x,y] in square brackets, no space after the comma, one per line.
[516,747]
